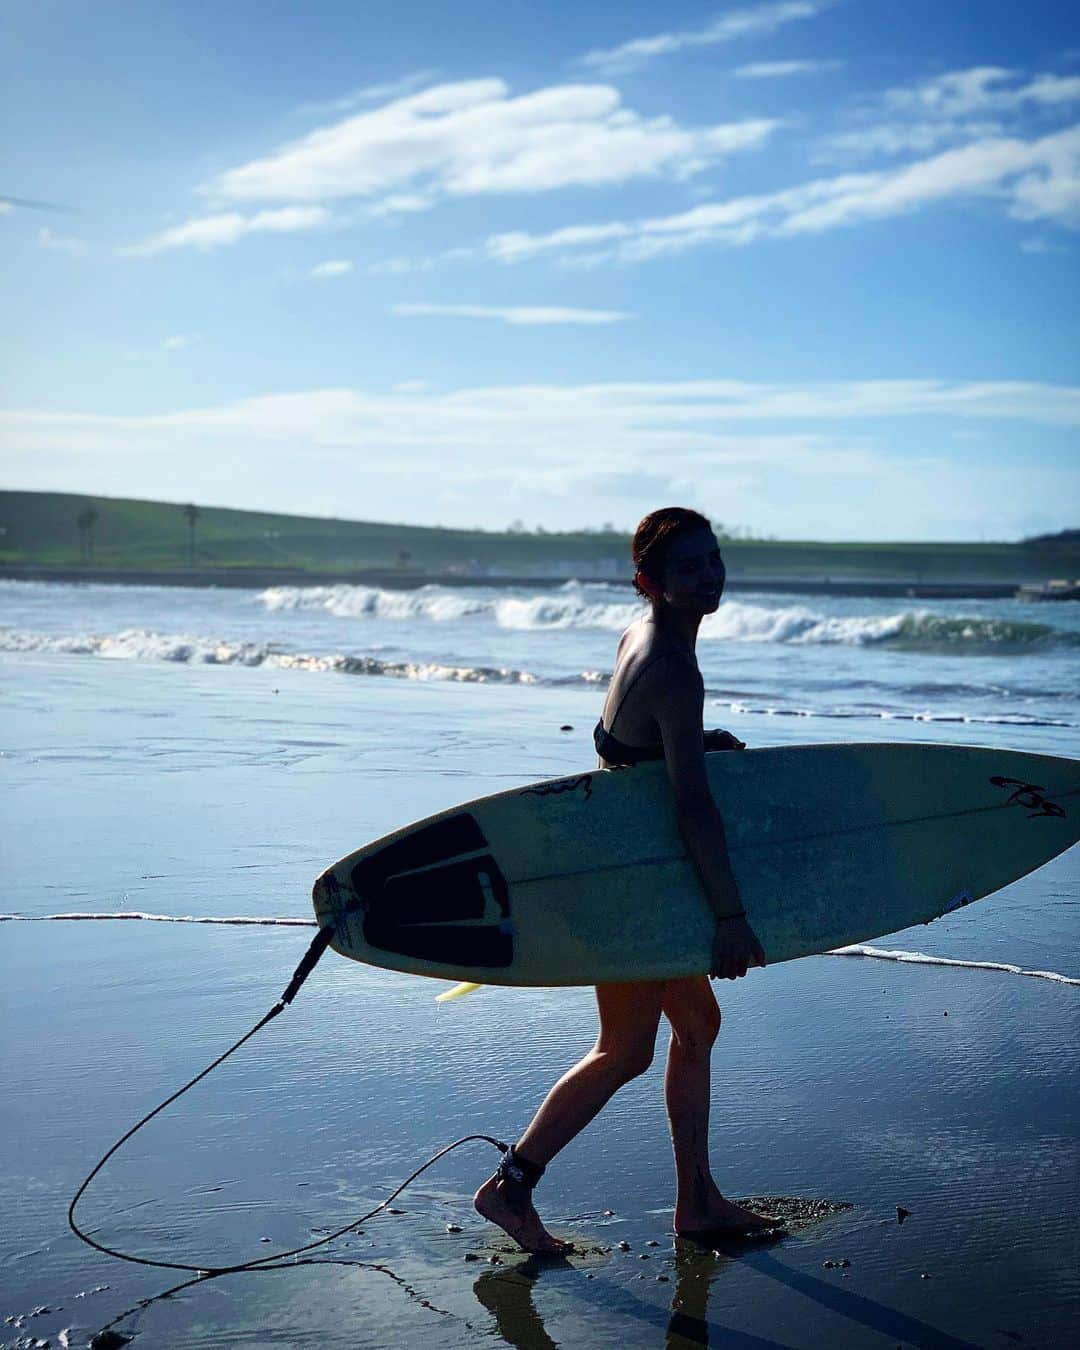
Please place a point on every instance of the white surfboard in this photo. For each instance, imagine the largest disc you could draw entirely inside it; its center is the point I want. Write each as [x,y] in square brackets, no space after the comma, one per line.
[585,879]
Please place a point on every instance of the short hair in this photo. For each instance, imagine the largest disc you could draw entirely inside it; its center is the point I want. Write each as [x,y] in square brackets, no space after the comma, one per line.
[654,535]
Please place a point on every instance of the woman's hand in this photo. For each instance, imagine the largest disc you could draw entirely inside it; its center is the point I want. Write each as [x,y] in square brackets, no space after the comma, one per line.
[735,949]
[723,740]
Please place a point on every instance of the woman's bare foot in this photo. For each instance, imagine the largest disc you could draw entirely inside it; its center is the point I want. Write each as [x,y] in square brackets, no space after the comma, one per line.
[721,1216]
[510,1207]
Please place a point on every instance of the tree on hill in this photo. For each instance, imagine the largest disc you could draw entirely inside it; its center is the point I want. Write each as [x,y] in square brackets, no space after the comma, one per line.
[86,520]
[191,515]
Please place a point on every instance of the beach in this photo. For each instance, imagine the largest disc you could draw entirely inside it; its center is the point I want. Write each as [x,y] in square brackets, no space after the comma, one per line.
[197,756]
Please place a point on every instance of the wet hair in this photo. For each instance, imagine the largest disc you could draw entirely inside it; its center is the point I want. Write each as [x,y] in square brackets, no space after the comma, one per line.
[654,535]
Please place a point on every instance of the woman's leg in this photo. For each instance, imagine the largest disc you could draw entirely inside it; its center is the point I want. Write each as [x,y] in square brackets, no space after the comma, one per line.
[691,1008]
[629,1016]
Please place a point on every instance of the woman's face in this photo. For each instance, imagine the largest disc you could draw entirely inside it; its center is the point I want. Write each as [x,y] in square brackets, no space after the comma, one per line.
[694,572]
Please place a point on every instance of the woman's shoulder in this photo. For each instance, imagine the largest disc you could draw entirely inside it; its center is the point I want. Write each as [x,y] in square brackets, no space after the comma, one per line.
[655,661]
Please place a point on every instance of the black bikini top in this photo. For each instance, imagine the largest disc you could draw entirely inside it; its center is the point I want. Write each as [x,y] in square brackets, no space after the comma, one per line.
[617,752]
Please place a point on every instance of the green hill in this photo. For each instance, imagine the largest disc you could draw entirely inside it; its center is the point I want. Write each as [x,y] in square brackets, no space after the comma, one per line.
[65,530]
[42,527]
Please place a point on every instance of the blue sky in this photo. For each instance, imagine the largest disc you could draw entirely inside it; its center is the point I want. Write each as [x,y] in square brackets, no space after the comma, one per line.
[809,266]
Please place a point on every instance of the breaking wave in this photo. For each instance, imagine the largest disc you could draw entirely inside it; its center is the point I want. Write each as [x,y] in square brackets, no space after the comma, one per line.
[143,645]
[919,631]
[568,607]
[574,606]
[140,645]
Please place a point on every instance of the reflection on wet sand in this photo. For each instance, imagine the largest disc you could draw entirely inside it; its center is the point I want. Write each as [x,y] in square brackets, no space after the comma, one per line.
[507,1288]
[507,1293]
[109,1337]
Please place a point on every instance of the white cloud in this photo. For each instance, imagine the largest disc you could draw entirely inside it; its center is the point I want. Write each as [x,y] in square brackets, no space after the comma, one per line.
[734,439]
[371,93]
[774,70]
[472,138]
[979,89]
[518,245]
[684,414]
[751,22]
[333,267]
[74,248]
[1051,191]
[401,203]
[175,342]
[399,267]
[961,105]
[1038,245]
[1036,180]
[513,314]
[896,138]
[5,207]
[209,232]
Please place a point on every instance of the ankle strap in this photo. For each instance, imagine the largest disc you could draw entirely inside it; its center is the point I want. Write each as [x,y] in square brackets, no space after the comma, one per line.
[513,1167]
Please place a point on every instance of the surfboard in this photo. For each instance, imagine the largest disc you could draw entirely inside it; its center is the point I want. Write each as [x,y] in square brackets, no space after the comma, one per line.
[585,879]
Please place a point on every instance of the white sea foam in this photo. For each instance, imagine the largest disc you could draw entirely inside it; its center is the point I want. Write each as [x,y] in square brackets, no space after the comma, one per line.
[139,645]
[563,611]
[920,958]
[240,920]
[134,644]
[357,602]
[577,606]
[572,606]
[736,621]
[744,709]
[567,607]
[402,670]
[143,645]
[235,920]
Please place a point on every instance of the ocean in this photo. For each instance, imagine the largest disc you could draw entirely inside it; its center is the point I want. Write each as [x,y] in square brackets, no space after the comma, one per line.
[190,758]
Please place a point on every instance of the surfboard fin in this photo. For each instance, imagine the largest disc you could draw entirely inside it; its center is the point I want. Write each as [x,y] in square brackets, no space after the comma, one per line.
[458,991]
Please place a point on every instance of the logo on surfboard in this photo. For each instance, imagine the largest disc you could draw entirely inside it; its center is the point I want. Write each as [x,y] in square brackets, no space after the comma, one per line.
[1030,796]
[561,785]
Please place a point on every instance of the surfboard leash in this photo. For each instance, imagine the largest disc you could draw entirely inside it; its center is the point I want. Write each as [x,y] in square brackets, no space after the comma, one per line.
[307,964]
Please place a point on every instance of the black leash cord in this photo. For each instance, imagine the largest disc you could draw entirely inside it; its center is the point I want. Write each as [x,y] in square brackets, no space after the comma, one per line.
[307,964]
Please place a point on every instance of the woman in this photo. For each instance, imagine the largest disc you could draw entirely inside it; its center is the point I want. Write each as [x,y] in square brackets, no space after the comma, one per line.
[655,704]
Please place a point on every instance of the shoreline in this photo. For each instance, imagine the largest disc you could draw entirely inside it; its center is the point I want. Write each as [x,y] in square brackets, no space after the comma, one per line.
[259,578]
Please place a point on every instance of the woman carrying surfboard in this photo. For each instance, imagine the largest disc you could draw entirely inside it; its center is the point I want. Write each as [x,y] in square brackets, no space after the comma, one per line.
[654,710]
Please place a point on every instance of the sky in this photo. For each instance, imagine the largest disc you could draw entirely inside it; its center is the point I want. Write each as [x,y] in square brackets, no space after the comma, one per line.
[809,266]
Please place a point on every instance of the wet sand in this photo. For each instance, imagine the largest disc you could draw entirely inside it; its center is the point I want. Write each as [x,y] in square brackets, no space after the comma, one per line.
[836,1079]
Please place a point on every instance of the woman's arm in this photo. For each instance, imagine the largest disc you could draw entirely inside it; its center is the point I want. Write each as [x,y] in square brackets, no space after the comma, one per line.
[678,709]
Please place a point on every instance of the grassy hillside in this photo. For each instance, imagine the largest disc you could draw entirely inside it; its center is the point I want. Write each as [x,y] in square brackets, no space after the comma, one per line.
[62,529]
[42,527]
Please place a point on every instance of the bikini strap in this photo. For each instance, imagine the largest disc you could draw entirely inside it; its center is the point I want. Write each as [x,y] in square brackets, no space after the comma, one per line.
[618,707]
